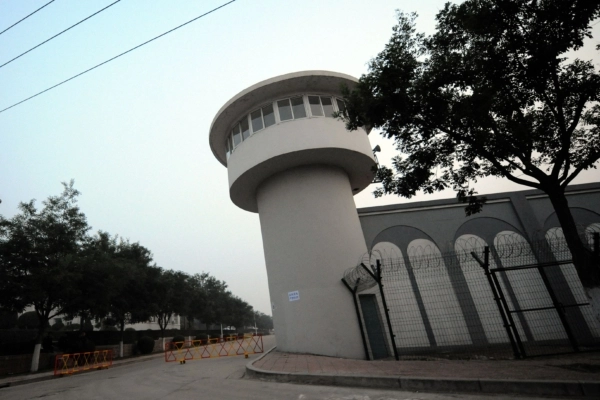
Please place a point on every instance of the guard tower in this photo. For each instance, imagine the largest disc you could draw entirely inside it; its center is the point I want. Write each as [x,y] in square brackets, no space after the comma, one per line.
[298,167]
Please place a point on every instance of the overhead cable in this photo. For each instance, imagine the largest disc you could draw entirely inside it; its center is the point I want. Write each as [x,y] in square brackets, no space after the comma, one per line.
[115,57]
[23,19]
[58,34]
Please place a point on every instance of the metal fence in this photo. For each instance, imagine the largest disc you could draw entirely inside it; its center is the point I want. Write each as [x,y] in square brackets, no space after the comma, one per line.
[514,299]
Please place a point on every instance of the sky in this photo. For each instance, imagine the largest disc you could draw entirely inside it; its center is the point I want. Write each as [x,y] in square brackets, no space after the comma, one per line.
[133,133]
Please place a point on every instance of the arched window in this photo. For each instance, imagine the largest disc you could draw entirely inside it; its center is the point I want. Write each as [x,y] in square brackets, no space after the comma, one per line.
[479,286]
[529,290]
[407,321]
[560,250]
[440,301]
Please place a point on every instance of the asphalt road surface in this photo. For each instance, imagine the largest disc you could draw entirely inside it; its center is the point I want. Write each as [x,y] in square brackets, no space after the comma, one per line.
[215,379]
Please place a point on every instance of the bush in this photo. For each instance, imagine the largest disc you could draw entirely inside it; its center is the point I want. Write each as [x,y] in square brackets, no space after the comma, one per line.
[178,338]
[145,345]
[177,341]
[203,337]
[76,342]
[16,348]
[71,328]
[28,320]
[58,325]
[102,338]
[109,328]
[130,329]
[8,320]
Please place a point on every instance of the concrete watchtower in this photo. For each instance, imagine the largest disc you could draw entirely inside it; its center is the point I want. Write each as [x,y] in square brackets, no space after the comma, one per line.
[298,167]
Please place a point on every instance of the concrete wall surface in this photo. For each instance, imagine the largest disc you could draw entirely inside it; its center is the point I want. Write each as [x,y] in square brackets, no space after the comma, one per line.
[446,301]
[311,234]
[527,212]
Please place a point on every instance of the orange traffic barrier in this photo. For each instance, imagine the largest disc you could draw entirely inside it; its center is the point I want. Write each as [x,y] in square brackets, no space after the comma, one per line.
[66,364]
[211,348]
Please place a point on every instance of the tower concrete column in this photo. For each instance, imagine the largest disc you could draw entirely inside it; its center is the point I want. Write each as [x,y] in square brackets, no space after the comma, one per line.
[311,234]
[296,165]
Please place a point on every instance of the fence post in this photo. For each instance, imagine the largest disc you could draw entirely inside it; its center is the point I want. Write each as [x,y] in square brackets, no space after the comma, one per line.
[385,307]
[360,324]
[507,320]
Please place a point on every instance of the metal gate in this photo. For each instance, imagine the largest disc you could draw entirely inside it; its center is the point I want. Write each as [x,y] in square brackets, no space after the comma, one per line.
[563,321]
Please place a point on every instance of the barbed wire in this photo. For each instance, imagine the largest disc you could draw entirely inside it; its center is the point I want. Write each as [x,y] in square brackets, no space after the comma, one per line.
[510,247]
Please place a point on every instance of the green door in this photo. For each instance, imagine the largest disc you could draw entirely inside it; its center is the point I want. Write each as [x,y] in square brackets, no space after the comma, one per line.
[375,333]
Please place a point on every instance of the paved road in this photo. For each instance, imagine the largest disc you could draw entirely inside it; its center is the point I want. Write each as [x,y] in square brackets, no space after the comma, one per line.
[215,379]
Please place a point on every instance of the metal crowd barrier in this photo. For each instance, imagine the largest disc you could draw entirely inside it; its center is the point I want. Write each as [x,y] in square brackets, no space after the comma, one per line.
[211,348]
[67,364]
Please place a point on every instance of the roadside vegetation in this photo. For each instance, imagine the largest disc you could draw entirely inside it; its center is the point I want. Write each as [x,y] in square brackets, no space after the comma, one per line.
[51,264]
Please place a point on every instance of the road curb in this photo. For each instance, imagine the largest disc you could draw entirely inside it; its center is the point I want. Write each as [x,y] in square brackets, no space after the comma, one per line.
[427,384]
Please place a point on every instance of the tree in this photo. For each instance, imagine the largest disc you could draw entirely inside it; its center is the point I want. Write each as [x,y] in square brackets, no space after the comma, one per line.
[28,320]
[263,321]
[38,250]
[58,324]
[216,295]
[170,295]
[97,280]
[198,298]
[236,312]
[130,303]
[491,93]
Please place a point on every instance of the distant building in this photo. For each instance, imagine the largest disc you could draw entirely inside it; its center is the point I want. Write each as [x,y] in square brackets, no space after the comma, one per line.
[152,324]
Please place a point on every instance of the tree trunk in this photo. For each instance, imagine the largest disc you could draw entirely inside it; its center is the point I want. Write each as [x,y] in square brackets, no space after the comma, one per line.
[583,258]
[35,359]
[586,262]
[122,326]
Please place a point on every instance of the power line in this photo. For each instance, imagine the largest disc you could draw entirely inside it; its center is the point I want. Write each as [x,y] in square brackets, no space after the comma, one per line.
[58,34]
[115,57]
[23,19]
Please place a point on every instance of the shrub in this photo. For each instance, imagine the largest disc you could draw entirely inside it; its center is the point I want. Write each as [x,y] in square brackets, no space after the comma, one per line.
[76,342]
[130,329]
[177,341]
[203,337]
[7,349]
[28,320]
[145,345]
[8,320]
[109,328]
[71,328]
[178,338]
[58,325]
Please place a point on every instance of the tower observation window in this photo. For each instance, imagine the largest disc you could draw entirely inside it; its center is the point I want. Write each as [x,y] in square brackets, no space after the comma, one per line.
[287,109]
[257,121]
[321,106]
[237,135]
[268,115]
[340,105]
[245,128]
[298,107]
